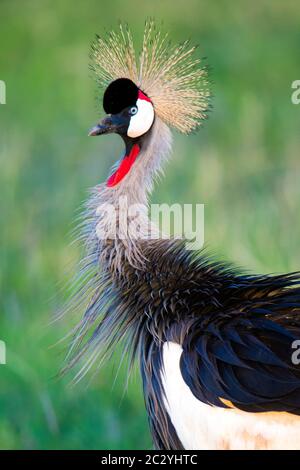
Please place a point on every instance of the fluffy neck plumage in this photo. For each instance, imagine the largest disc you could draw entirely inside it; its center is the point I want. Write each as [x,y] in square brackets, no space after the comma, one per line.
[121,212]
[112,264]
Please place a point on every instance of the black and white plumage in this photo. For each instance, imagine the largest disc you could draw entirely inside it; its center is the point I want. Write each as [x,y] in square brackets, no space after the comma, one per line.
[214,344]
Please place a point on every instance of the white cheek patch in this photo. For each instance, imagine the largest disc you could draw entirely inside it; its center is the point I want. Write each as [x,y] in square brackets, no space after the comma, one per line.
[141,122]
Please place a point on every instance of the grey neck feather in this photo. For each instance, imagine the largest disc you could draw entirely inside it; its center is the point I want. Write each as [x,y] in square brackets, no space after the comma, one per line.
[118,234]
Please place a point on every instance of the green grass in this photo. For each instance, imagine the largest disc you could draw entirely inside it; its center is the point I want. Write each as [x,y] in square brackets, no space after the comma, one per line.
[243,165]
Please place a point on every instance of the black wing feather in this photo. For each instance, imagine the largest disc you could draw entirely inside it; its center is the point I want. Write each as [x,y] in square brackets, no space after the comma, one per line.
[244,353]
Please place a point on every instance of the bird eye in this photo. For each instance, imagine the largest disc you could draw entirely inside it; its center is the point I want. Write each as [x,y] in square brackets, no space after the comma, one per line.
[133,110]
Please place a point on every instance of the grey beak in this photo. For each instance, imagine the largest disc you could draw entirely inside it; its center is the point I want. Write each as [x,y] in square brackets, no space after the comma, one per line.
[104,127]
[112,123]
[97,130]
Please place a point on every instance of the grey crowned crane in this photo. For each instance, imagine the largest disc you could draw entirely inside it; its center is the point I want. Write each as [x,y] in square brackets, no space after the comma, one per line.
[214,344]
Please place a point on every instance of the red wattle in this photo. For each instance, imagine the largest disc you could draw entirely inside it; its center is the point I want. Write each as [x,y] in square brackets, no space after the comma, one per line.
[124,167]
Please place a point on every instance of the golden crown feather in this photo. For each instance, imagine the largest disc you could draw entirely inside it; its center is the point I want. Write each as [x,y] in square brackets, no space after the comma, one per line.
[170,75]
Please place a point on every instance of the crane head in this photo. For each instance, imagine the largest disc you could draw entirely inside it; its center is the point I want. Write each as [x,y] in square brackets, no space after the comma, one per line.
[130,112]
[164,83]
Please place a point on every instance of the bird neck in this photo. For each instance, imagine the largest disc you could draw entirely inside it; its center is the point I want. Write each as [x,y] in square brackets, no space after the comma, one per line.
[122,220]
[154,148]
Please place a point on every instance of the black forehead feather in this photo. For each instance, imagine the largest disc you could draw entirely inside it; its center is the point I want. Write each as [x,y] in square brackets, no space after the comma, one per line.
[119,94]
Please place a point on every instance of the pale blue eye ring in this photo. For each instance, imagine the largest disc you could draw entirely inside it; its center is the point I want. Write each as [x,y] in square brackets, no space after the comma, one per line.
[133,110]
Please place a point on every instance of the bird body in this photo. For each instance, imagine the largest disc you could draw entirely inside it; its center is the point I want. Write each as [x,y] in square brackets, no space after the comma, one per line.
[214,344]
[202,426]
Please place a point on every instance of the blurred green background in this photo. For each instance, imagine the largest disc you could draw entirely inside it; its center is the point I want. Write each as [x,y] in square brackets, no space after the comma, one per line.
[243,164]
